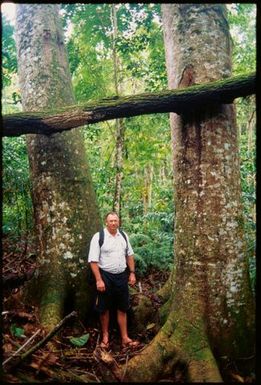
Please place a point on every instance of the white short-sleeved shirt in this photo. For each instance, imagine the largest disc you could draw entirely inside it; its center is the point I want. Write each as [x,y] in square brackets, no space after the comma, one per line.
[111,256]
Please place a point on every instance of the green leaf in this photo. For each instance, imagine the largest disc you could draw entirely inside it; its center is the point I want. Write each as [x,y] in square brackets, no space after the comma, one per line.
[80,341]
[17,332]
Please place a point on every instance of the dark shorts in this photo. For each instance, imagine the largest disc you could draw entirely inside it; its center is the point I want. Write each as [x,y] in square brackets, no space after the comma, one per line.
[116,292]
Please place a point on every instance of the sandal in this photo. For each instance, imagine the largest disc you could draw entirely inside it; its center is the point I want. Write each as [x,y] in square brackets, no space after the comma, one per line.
[130,344]
[104,345]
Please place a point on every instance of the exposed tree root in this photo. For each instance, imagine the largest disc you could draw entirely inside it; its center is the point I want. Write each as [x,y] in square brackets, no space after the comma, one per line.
[178,342]
[165,292]
[143,312]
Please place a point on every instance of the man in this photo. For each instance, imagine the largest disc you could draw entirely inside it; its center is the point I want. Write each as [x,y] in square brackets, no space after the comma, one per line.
[109,266]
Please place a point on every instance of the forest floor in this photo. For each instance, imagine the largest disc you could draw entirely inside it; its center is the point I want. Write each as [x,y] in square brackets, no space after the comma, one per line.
[71,355]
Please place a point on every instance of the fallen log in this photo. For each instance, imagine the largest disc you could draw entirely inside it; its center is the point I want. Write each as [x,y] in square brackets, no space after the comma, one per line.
[178,101]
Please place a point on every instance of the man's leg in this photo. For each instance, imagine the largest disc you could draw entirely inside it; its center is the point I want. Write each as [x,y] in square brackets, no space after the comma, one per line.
[105,319]
[123,302]
[122,321]
[125,339]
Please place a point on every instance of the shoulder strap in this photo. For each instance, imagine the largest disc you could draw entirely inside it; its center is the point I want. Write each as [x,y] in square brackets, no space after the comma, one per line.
[101,237]
[124,236]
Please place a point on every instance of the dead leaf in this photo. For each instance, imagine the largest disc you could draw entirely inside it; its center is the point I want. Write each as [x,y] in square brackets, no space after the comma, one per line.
[29,329]
[107,358]
[28,316]
[150,326]
[52,359]
[8,348]
[237,377]
[42,369]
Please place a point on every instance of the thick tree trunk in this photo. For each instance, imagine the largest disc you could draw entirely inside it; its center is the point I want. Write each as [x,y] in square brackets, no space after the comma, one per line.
[211,313]
[185,100]
[66,214]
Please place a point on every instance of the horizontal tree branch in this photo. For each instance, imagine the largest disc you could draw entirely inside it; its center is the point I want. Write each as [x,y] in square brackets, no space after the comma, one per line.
[178,100]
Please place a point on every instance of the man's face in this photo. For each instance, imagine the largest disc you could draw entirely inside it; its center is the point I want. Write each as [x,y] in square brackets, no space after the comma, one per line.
[112,222]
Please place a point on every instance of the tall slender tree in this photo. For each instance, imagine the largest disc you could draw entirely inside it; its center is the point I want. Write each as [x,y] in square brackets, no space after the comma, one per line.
[66,214]
[120,128]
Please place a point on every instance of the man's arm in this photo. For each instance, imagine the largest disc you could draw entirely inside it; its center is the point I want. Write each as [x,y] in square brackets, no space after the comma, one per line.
[96,272]
[131,264]
[93,258]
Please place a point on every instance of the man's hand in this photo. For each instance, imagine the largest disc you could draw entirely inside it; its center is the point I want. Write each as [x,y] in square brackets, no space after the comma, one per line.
[132,279]
[100,285]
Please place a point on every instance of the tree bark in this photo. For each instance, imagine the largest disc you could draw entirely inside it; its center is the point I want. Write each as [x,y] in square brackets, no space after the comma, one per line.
[184,100]
[210,307]
[65,209]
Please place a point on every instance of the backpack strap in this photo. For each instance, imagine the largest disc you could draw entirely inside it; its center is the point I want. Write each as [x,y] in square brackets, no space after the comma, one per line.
[124,236]
[101,237]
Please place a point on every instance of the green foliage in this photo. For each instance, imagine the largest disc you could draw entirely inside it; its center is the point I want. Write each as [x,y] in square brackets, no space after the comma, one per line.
[142,50]
[242,19]
[248,183]
[152,241]
[16,331]
[17,203]
[89,50]
[9,62]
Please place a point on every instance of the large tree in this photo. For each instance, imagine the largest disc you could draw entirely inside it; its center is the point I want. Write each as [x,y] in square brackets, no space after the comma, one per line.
[210,308]
[66,214]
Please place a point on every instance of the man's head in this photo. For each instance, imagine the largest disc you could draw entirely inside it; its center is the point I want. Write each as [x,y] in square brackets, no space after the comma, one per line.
[112,222]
